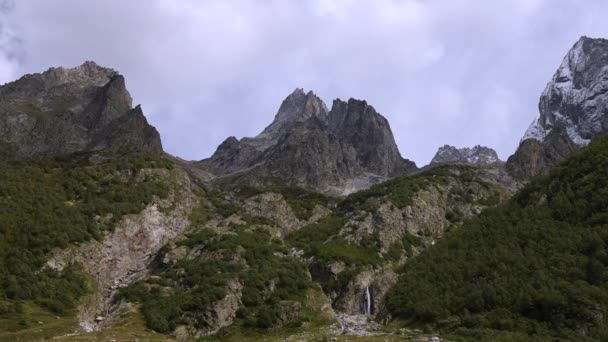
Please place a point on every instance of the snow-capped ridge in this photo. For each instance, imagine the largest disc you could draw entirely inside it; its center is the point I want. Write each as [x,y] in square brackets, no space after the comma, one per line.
[576,97]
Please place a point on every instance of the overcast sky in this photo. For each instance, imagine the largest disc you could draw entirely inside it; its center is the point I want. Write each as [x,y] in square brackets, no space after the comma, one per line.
[459,72]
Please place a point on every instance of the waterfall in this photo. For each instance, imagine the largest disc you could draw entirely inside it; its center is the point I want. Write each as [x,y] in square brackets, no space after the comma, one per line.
[368,297]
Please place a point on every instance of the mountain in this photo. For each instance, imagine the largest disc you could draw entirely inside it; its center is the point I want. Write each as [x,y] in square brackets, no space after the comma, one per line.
[479,155]
[262,252]
[63,111]
[91,245]
[251,244]
[574,103]
[533,269]
[338,151]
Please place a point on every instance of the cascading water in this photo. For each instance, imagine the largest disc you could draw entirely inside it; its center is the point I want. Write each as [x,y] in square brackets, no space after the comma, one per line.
[368,298]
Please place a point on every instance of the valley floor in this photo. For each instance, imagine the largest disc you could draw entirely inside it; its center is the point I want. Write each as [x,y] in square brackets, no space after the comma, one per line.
[131,327]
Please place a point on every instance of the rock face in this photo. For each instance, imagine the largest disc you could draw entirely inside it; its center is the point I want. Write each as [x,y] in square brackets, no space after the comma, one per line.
[347,148]
[297,107]
[433,210]
[124,255]
[574,101]
[479,155]
[535,157]
[63,111]
[273,207]
[222,314]
[366,292]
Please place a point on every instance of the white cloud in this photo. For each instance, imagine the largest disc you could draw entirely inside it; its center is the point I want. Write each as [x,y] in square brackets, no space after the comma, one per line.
[10,44]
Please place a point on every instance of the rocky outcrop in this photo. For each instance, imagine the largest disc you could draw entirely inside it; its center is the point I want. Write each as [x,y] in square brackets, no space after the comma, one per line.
[307,156]
[230,157]
[296,108]
[365,293]
[318,213]
[386,224]
[369,133]
[125,253]
[575,101]
[221,314]
[478,155]
[331,271]
[273,207]
[340,151]
[234,155]
[534,157]
[63,111]
[433,210]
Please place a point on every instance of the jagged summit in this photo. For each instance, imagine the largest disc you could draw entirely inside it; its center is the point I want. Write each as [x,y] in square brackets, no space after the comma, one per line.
[370,134]
[479,155]
[67,110]
[297,107]
[339,151]
[87,74]
[575,98]
[574,101]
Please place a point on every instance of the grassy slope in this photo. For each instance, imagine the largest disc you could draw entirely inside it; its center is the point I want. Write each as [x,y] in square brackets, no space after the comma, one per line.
[73,180]
[535,268]
[53,204]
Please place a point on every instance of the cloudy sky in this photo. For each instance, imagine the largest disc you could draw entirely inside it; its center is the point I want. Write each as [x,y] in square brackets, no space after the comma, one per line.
[459,72]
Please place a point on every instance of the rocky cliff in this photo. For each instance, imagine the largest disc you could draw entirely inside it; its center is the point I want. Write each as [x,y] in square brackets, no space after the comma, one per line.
[124,255]
[575,102]
[63,111]
[339,151]
[479,155]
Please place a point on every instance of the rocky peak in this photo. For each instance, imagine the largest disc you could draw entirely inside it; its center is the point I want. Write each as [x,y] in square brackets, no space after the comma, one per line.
[300,106]
[370,134]
[340,151]
[479,155]
[89,73]
[86,75]
[534,157]
[67,110]
[575,101]
[576,97]
[297,107]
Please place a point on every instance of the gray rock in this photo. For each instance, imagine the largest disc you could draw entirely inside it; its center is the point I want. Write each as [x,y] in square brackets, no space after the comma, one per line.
[125,254]
[575,101]
[63,111]
[534,157]
[435,339]
[365,293]
[273,207]
[427,217]
[296,108]
[478,155]
[346,149]
[327,272]
[369,133]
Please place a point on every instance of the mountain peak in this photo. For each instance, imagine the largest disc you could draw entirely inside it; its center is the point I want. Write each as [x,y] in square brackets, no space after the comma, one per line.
[299,106]
[298,92]
[479,155]
[67,110]
[295,108]
[341,150]
[574,101]
[87,74]
[575,98]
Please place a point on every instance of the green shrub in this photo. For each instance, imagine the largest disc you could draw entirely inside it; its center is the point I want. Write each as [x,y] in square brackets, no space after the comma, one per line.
[52,204]
[535,266]
[262,268]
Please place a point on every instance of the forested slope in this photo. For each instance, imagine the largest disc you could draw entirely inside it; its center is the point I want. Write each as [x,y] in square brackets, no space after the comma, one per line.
[534,268]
